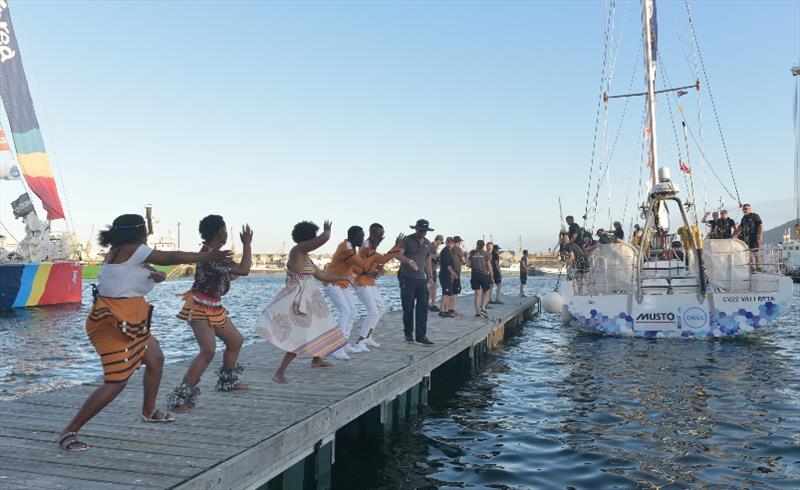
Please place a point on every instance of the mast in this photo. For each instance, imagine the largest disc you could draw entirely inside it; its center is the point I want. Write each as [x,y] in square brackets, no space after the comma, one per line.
[650,56]
[796,75]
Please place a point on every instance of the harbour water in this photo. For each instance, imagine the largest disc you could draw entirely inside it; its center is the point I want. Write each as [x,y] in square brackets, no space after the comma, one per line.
[554,408]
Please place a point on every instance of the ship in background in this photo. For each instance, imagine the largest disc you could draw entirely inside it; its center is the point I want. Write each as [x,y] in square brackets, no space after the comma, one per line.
[40,269]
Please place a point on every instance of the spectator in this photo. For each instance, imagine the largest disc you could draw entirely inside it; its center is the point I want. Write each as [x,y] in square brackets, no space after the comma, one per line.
[496,273]
[459,259]
[481,279]
[447,276]
[489,250]
[523,273]
[437,241]
[415,269]
[636,240]
[603,237]
[573,230]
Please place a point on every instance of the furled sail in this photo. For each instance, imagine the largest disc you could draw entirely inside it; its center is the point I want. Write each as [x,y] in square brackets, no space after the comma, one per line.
[22,119]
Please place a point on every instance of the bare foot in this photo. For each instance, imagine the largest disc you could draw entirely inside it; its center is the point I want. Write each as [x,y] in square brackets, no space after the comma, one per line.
[181,409]
[320,363]
[280,379]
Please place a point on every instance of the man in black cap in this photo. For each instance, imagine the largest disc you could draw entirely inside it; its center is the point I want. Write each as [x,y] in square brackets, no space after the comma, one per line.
[415,269]
[459,259]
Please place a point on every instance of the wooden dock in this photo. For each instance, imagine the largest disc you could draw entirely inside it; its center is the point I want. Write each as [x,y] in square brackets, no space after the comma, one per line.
[271,436]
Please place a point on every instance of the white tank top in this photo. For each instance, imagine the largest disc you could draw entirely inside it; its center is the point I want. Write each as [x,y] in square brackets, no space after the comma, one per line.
[128,279]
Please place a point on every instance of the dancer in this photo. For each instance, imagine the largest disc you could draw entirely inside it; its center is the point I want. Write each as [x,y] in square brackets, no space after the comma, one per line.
[365,282]
[119,323]
[298,319]
[203,309]
[344,263]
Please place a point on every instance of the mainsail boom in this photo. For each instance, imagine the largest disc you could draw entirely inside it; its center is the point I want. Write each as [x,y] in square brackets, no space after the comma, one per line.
[25,130]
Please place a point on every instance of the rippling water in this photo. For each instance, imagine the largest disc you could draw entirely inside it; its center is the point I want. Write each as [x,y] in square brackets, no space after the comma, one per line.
[559,409]
[554,408]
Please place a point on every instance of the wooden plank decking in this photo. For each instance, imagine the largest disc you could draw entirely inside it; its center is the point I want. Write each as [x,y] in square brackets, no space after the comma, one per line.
[230,440]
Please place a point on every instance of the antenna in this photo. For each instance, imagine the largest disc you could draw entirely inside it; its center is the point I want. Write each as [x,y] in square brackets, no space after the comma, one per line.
[796,74]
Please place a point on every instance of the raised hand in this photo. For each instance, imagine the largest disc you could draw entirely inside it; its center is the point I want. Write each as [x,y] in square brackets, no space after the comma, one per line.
[246,235]
[326,227]
[399,240]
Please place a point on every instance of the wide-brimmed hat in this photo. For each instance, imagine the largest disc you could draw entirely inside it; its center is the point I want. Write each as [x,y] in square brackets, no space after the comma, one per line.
[457,239]
[422,224]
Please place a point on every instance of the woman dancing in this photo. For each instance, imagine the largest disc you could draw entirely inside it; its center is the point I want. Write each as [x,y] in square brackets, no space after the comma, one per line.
[203,310]
[298,319]
[119,323]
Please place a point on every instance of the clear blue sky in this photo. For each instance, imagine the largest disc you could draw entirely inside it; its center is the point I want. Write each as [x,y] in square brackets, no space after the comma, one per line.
[474,115]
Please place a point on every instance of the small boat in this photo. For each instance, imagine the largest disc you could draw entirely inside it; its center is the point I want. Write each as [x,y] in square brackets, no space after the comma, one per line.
[40,271]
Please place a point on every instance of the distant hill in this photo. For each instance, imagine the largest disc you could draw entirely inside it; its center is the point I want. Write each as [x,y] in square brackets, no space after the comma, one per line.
[775,235]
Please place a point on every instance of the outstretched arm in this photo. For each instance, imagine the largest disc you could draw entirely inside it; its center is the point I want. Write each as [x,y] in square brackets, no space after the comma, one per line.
[161,257]
[315,243]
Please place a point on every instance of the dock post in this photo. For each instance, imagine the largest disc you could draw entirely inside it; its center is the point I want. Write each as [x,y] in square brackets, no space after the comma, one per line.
[413,399]
[424,389]
[318,467]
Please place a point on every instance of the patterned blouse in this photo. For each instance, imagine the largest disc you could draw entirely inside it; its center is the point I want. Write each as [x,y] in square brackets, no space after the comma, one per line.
[212,278]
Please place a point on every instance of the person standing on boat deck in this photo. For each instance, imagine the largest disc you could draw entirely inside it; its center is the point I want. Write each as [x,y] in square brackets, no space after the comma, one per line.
[298,320]
[459,260]
[573,231]
[415,269]
[437,242]
[619,233]
[203,310]
[751,231]
[497,274]
[365,287]
[118,325]
[636,239]
[344,263]
[712,223]
[726,226]
[481,277]
[523,273]
[447,276]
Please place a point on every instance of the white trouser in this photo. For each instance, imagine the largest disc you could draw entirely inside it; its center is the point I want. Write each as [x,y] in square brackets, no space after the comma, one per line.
[345,307]
[371,297]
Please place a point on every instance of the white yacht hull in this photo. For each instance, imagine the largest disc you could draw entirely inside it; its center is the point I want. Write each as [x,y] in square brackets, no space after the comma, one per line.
[717,314]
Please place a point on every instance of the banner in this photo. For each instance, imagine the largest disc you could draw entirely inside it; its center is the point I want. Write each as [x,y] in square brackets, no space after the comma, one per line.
[10,171]
[22,206]
[21,116]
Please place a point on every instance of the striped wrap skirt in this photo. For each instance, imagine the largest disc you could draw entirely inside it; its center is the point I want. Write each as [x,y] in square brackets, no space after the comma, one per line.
[119,329]
[198,306]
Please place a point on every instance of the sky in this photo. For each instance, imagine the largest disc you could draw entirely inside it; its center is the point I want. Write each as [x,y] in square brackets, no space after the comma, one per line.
[477,116]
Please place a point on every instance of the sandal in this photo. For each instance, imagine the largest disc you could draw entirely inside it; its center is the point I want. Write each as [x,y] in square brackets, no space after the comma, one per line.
[165,417]
[69,442]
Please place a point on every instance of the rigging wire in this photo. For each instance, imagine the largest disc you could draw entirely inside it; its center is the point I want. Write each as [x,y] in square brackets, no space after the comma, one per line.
[713,103]
[796,74]
[600,103]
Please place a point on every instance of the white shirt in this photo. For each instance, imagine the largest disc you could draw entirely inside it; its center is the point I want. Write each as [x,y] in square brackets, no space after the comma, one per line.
[128,279]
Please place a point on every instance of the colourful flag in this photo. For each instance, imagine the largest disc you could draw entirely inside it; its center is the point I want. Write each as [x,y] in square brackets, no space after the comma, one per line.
[3,142]
[685,167]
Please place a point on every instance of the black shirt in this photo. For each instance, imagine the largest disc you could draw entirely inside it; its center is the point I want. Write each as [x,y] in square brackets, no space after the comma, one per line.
[714,231]
[445,261]
[574,229]
[751,224]
[725,227]
[619,233]
[604,239]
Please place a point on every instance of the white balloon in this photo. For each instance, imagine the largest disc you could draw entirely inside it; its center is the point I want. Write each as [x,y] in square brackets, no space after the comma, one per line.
[553,303]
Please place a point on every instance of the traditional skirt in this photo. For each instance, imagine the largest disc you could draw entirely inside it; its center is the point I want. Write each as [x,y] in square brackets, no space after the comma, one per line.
[298,320]
[119,329]
[198,306]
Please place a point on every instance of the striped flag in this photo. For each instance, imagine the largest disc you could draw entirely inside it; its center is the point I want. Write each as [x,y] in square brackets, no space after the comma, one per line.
[4,142]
